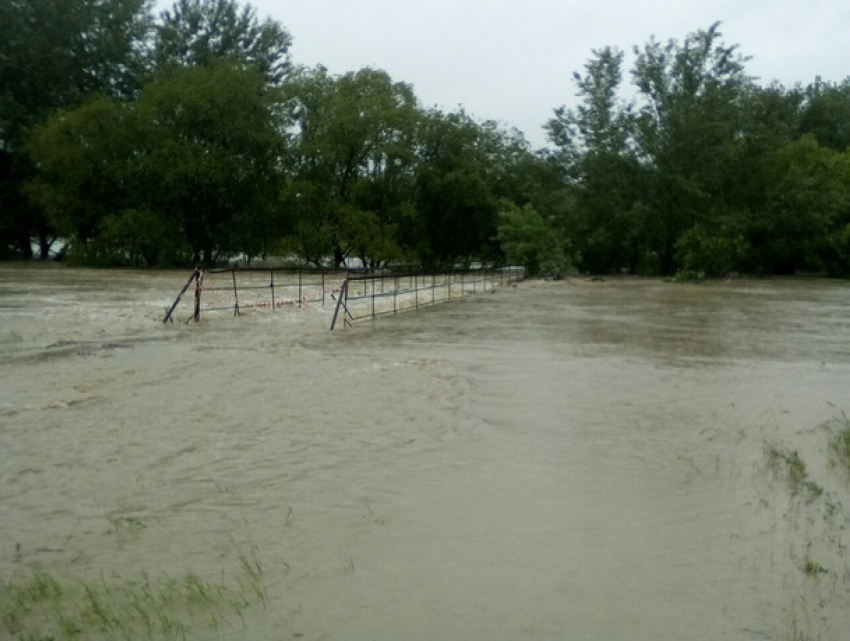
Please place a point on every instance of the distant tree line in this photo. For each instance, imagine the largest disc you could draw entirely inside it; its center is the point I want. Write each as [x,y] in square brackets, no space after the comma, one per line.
[704,172]
[188,137]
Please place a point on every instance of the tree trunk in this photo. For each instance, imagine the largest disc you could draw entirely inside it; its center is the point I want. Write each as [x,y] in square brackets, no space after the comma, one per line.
[44,244]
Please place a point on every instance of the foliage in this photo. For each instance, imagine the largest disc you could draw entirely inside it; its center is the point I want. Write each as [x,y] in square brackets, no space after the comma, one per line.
[202,32]
[789,466]
[462,172]
[191,164]
[189,137]
[704,172]
[825,113]
[134,238]
[839,445]
[709,253]
[351,163]
[374,177]
[211,157]
[686,129]
[39,605]
[528,239]
[83,166]
[596,150]
[56,55]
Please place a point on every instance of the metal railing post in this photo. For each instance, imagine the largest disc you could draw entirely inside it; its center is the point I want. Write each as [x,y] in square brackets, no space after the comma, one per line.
[343,296]
[235,294]
[300,295]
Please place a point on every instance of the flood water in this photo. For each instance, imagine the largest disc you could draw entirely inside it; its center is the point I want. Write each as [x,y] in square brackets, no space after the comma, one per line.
[570,460]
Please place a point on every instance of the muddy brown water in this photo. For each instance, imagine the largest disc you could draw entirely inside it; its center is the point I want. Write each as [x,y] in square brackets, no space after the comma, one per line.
[572,460]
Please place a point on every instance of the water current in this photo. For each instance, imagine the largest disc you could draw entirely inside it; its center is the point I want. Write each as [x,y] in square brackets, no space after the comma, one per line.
[572,460]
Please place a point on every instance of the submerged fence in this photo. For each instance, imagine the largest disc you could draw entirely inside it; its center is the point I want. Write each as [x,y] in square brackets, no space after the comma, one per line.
[240,289]
[380,294]
[353,293]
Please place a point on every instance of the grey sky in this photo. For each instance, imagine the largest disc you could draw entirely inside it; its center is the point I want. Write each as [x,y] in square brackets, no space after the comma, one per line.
[512,60]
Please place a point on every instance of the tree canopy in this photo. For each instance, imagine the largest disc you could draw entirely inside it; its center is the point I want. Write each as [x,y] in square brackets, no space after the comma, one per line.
[350,164]
[195,158]
[188,136]
[703,171]
[200,32]
[55,55]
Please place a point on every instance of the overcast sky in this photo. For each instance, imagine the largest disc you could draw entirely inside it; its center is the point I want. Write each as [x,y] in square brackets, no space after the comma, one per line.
[512,60]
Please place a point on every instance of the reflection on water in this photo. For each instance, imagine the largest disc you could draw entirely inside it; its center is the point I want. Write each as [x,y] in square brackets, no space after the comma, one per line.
[556,460]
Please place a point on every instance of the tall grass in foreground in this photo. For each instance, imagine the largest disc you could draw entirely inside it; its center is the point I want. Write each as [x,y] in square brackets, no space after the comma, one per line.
[39,606]
[839,445]
[789,465]
[817,592]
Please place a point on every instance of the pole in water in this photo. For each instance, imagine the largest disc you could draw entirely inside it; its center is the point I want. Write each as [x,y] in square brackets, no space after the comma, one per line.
[180,295]
[196,316]
[343,294]
[235,294]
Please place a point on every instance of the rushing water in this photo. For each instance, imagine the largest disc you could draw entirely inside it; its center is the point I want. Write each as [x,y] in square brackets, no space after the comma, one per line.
[574,460]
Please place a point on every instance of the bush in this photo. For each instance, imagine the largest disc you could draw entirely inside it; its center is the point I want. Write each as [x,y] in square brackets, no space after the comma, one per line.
[528,239]
[712,254]
[133,238]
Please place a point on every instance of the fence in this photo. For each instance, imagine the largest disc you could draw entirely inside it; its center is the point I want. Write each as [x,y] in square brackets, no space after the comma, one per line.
[247,288]
[356,293]
[380,294]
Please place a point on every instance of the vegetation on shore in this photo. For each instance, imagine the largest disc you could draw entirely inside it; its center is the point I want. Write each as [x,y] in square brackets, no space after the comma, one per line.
[188,137]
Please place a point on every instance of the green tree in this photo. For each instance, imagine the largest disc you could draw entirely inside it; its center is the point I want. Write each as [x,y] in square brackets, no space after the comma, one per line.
[731,238]
[192,165]
[825,113]
[464,168]
[706,171]
[351,163]
[595,145]
[83,162]
[200,32]
[807,203]
[54,55]
[211,160]
[687,125]
[601,123]
[528,239]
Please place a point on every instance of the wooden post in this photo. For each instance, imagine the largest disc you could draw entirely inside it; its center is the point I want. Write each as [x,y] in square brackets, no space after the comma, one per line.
[199,281]
[235,294]
[180,295]
[343,295]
